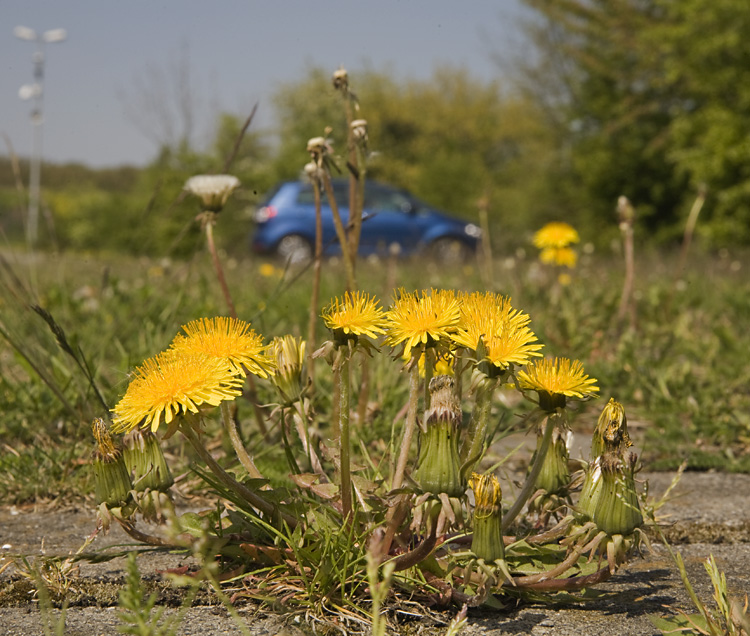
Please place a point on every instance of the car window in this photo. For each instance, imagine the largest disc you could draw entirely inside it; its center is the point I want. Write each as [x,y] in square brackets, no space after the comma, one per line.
[385,199]
[305,195]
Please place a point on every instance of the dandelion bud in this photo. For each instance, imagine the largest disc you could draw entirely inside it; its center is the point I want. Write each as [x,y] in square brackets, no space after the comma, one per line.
[617,509]
[487,541]
[439,468]
[144,457]
[611,432]
[318,147]
[111,476]
[359,129]
[591,489]
[289,353]
[554,474]
[340,79]
[313,172]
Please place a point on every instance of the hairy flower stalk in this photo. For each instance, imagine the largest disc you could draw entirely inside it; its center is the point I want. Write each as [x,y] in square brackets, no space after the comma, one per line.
[111,475]
[349,319]
[439,469]
[475,441]
[487,538]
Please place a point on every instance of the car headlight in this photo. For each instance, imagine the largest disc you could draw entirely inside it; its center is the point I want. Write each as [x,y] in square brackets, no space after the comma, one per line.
[473,230]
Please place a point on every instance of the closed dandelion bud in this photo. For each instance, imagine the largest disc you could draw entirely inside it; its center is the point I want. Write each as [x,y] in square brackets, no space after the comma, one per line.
[487,540]
[611,432]
[618,510]
[554,475]
[111,476]
[439,468]
[145,459]
[289,353]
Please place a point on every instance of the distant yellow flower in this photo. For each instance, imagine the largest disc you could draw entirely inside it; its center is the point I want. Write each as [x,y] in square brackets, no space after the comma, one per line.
[503,330]
[212,189]
[425,319]
[563,256]
[555,234]
[356,315]
[171,384]
[268,270]
[555,380]
[228,339]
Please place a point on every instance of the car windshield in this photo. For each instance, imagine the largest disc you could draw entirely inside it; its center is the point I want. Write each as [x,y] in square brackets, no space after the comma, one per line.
[377,197]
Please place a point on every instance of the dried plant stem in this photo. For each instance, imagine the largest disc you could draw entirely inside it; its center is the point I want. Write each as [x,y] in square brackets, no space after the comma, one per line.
[627,215]
[315,292]
[239,448]
[687,238]
[209,218]
[351,282]
[528,487]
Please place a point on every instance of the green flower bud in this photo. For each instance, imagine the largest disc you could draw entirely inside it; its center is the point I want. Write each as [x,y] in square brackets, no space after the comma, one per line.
[591,489]
[439,468]
[618,510]
[111,476]
[487,540]
[289,353]
[554,475]
[144,457]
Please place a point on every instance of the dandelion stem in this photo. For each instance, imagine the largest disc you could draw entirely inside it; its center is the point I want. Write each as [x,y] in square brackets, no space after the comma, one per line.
[229,482]
[344,362]
[208,224]
[239,448]
[471,451]
[410,424]
[528,486]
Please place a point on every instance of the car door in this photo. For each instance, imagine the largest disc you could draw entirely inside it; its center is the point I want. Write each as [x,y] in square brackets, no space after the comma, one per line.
[389,217]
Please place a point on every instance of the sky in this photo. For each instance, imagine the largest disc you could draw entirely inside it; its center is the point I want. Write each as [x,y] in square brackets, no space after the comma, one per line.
[238,52]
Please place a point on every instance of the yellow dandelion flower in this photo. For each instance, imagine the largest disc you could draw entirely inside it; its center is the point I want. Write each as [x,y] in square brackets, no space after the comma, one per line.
[555,234]
[562,256]
[555,380]
[425,319]
[503,330]
[356,315]
[171,384]
[229,339]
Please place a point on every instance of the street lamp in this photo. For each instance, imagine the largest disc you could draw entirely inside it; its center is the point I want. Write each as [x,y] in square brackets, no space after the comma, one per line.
[35,92]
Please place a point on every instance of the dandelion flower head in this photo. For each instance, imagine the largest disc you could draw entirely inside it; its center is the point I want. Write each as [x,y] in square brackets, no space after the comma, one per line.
[355,315]
[558,377]
[555,234]
[424,319]
[228,339]
[563,256]
[171,384]
[502,329]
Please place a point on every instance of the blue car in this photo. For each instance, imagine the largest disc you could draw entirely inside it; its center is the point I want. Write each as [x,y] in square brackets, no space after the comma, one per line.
[285,224]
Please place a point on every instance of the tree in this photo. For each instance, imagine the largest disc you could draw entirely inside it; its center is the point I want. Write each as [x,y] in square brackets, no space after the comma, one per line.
[650,98]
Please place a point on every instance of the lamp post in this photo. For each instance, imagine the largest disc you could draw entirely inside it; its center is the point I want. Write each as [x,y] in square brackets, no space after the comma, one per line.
[35,91]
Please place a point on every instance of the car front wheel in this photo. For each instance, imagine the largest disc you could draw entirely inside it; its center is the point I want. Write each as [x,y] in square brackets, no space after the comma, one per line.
[294,249]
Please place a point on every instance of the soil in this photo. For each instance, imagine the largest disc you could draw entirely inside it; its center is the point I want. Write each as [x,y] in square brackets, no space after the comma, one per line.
[707,514]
